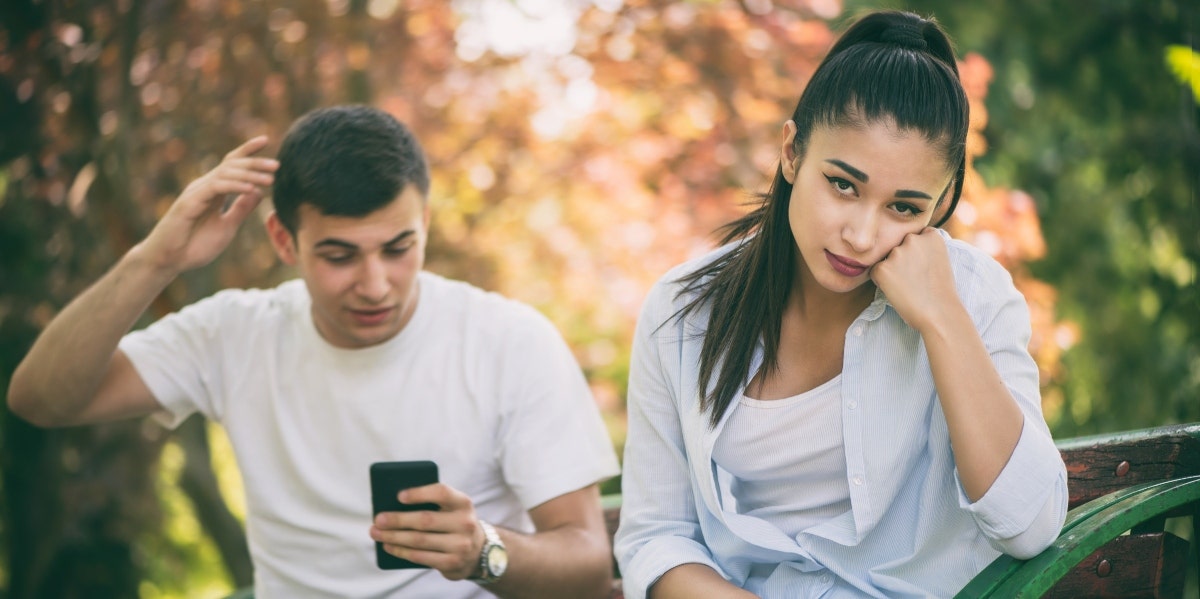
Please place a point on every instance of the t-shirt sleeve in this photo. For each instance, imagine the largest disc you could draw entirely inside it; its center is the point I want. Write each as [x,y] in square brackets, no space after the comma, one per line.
[179,359]
[552,438]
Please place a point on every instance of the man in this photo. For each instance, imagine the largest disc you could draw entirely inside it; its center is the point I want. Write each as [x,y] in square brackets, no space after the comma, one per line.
[366,358]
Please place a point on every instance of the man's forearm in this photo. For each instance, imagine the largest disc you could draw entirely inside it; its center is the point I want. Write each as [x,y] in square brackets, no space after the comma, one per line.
[563,562]
[68,361]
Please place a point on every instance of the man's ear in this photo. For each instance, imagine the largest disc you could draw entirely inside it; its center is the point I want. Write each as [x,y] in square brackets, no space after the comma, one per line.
[281,239]
[789,161]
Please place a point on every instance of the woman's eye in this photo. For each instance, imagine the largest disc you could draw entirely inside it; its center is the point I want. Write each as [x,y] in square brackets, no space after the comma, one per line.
[908,209]
[840,184]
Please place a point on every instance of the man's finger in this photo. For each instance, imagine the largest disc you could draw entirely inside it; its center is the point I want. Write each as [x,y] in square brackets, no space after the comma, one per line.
[224,186]
[425,541]
[251,146]
[422,520]
[440,493]
[252,163]
[243,205]
[442,562]
[241,174]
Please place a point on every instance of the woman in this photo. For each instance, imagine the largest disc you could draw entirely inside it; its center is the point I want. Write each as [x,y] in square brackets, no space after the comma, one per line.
[840,401]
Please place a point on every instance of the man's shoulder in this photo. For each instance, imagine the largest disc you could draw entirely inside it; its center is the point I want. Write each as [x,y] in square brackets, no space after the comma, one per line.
[467,299]
[484,319]
[283,296]
[255,307]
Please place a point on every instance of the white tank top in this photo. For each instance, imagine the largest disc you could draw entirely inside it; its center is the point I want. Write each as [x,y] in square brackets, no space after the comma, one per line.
[787,458]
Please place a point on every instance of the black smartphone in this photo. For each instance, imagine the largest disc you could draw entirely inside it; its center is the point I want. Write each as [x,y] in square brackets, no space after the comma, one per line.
[387,480]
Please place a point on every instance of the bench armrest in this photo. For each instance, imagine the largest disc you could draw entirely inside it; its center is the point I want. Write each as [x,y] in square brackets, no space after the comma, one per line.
[1088,527]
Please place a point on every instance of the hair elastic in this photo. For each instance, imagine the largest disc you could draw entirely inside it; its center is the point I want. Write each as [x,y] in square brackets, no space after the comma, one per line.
[906,36]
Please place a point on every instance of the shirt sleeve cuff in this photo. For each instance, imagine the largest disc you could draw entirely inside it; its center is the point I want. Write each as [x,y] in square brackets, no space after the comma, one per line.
[656,557]
[600,471]
[172,413]
[1025,484]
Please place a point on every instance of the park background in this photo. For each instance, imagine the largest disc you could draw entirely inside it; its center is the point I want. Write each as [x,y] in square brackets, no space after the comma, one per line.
[579,149]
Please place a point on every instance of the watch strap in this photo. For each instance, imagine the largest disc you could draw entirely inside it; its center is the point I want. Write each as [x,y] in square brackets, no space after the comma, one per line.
[490,539]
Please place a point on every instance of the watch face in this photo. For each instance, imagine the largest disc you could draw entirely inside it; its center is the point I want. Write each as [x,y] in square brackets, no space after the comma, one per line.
[497,561]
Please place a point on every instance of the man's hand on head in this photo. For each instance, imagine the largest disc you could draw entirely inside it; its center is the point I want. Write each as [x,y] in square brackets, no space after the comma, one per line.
[201,222]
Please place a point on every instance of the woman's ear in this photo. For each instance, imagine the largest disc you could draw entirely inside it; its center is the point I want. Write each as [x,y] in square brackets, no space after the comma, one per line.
[789,160]
[281,239]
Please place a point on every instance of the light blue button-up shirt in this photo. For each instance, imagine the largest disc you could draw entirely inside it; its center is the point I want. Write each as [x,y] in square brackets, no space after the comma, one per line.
[911,531]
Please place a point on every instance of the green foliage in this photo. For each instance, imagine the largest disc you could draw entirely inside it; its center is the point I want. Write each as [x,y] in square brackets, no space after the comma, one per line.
[1086,116]
[180,559]
[1184,62]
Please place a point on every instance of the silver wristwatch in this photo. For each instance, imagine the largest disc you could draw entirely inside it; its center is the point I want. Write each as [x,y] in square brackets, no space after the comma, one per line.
[493,558]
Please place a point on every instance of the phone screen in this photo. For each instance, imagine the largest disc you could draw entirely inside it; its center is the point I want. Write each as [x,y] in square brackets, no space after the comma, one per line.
[387,480]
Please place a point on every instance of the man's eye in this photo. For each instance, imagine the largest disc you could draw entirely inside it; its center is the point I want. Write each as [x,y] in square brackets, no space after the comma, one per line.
[397,251]
[337,258]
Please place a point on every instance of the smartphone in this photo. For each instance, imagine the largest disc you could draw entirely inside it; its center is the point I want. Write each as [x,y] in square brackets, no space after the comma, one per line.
[387,480]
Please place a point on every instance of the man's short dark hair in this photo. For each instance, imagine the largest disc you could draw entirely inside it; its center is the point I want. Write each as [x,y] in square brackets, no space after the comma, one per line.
[346,161]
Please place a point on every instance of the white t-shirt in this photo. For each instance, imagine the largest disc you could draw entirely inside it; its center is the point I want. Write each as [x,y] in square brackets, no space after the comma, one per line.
[787,458]
[482,385]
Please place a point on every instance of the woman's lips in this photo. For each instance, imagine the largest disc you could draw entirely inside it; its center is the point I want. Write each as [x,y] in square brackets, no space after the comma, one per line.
[845,266]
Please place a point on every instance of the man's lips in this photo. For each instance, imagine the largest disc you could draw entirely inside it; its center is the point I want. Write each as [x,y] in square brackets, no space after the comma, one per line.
[372,316]
[845,266]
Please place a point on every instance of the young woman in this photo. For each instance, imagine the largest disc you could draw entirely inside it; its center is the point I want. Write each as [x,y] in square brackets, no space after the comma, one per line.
[840,401]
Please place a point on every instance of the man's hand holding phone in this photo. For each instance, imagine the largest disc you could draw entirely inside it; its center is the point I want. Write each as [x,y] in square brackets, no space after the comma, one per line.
[448,540]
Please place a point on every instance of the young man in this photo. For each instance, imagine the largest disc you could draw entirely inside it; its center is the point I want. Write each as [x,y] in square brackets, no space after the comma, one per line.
[367,358]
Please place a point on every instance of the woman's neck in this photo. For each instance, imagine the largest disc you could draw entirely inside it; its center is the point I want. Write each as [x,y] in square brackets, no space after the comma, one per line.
[814,303]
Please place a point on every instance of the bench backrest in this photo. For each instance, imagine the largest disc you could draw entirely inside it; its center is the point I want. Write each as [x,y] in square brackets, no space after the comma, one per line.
[1150,561]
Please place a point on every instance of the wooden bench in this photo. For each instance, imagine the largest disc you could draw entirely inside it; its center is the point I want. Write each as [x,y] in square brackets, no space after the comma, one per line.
[1123,488]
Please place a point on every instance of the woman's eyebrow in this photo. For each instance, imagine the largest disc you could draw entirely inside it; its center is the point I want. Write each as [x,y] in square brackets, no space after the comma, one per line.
[857,174]
[863,177]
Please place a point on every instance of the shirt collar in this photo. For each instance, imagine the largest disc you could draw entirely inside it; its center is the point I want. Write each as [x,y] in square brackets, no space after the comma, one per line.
[877,306]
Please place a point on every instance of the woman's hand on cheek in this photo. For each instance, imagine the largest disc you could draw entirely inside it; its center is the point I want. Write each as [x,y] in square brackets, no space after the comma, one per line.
[916,278]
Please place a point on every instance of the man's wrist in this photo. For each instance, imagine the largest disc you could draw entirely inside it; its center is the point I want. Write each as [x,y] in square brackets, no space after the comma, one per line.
[141,264]
[493,556]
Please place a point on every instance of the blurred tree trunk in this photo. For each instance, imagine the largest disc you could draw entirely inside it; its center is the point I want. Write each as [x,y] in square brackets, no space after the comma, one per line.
[78,501]
[199,482]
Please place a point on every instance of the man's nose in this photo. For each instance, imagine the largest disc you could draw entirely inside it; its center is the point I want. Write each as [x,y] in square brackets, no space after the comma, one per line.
[373,284]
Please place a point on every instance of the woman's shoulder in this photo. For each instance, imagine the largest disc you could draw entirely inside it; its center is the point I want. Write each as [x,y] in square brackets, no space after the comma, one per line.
[977,274]
[681,283]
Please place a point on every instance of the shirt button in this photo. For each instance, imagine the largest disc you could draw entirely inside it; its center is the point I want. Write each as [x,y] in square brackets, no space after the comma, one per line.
[858,480]
[858,331]
[852,404]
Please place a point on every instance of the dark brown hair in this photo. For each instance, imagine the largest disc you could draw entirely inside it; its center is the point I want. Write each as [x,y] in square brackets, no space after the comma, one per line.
[346,160]
[888,65]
